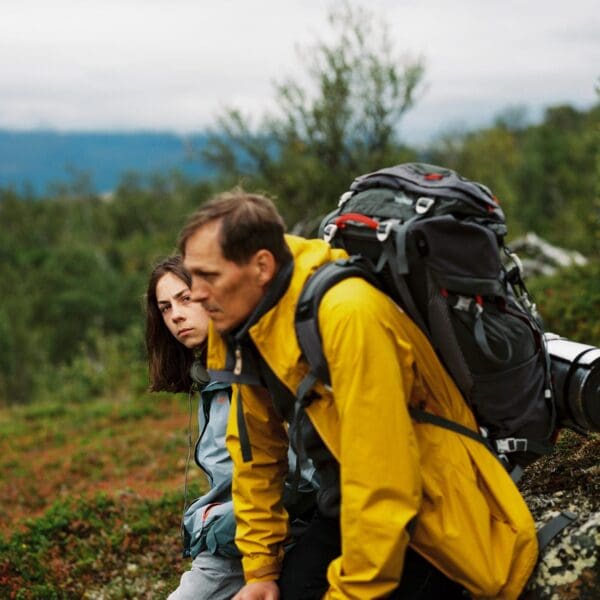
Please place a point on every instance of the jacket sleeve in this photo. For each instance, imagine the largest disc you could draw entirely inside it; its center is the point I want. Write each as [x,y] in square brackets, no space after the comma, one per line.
[220,537]
[262,522]
[371,376]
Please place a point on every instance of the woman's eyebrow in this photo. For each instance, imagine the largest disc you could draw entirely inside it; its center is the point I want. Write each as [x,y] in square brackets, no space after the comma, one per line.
[181,293]
[175,296]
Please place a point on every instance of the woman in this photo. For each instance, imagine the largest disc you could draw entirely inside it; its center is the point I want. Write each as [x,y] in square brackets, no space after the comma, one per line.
[176,332]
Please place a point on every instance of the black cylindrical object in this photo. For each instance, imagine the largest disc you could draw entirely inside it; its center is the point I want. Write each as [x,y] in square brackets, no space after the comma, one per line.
[576,382]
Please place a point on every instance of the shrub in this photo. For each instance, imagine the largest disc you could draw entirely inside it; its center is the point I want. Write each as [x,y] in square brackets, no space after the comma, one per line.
[123,547]
[106,366]
[570,302]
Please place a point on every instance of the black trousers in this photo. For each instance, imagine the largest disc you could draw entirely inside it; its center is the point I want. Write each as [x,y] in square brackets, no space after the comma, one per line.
[304,572]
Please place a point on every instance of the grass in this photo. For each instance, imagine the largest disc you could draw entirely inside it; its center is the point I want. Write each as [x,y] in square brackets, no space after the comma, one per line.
[91,498]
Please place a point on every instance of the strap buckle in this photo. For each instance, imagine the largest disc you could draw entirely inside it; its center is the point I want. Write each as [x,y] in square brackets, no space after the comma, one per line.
[511,445]
[467,304]
[329,231]
[423,204]
[385,228]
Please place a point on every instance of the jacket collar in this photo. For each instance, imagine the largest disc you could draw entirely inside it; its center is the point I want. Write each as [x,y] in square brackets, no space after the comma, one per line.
[275,291]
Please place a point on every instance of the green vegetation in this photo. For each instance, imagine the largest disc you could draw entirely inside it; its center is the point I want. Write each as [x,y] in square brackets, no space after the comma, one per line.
[73,270]
[74,266]
[570,302]
[107,547]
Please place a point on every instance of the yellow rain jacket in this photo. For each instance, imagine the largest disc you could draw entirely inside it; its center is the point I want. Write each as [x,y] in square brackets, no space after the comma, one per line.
[471,521]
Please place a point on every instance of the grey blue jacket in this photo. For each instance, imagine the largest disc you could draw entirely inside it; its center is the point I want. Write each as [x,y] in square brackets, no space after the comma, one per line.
[208,522]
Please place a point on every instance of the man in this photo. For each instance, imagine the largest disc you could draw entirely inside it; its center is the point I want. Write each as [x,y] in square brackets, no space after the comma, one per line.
[386,483]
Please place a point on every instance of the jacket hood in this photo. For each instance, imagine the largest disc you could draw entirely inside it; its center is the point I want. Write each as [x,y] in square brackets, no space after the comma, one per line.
[276,327]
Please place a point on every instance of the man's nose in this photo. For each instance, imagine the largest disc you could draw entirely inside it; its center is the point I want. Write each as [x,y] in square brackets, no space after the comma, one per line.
[199,290]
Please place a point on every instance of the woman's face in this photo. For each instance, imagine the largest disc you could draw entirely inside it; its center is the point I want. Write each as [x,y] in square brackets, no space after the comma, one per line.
[185,319]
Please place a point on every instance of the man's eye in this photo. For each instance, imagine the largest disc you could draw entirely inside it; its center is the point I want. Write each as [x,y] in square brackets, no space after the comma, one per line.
[164,309]
[186,299]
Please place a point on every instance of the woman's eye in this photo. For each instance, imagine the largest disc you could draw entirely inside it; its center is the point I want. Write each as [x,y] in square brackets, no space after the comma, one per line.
[186,298]
[164,309]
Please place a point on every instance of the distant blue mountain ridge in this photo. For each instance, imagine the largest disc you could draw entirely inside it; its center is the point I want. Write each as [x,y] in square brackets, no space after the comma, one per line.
[36,160]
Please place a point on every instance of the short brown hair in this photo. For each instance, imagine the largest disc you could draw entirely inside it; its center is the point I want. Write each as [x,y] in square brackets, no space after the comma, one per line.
[249,223]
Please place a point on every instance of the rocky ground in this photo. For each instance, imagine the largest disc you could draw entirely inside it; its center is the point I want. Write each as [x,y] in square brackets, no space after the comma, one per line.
[568,480]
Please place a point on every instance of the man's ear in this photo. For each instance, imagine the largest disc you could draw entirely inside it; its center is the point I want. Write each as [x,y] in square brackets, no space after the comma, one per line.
[266,266]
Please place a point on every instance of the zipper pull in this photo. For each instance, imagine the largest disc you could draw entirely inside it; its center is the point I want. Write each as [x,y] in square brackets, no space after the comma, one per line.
[237,369]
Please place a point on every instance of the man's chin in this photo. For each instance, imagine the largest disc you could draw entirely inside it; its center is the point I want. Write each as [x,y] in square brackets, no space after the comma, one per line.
[222,326]
[225,324]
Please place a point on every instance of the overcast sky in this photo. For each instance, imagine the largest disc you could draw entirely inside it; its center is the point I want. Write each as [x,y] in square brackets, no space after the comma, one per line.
[171,64]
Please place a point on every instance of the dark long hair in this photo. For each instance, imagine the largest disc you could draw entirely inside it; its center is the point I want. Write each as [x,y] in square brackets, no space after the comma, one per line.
[169,361]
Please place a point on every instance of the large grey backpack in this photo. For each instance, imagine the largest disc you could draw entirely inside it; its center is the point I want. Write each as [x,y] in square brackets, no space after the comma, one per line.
[433,241]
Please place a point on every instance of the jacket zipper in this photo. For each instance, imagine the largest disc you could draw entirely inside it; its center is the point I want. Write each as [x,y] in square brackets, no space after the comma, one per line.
[237,369]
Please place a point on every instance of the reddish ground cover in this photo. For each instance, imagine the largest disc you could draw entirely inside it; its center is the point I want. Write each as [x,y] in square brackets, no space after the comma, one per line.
[44,459]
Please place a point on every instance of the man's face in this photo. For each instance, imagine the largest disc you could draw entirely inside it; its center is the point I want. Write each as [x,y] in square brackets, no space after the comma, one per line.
[229,292]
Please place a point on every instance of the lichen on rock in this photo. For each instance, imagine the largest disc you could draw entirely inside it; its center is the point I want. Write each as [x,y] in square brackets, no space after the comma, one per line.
[569,566]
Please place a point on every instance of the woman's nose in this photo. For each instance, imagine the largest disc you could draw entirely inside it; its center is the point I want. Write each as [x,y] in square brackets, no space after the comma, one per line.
[177,315]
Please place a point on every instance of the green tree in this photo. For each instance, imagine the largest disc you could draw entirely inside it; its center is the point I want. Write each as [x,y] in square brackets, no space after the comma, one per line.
[339,122]
[73,270]
[569,302]
[557,180]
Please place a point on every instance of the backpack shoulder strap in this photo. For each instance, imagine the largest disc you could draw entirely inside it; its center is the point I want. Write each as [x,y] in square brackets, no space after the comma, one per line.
[553,527]
[307,309]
